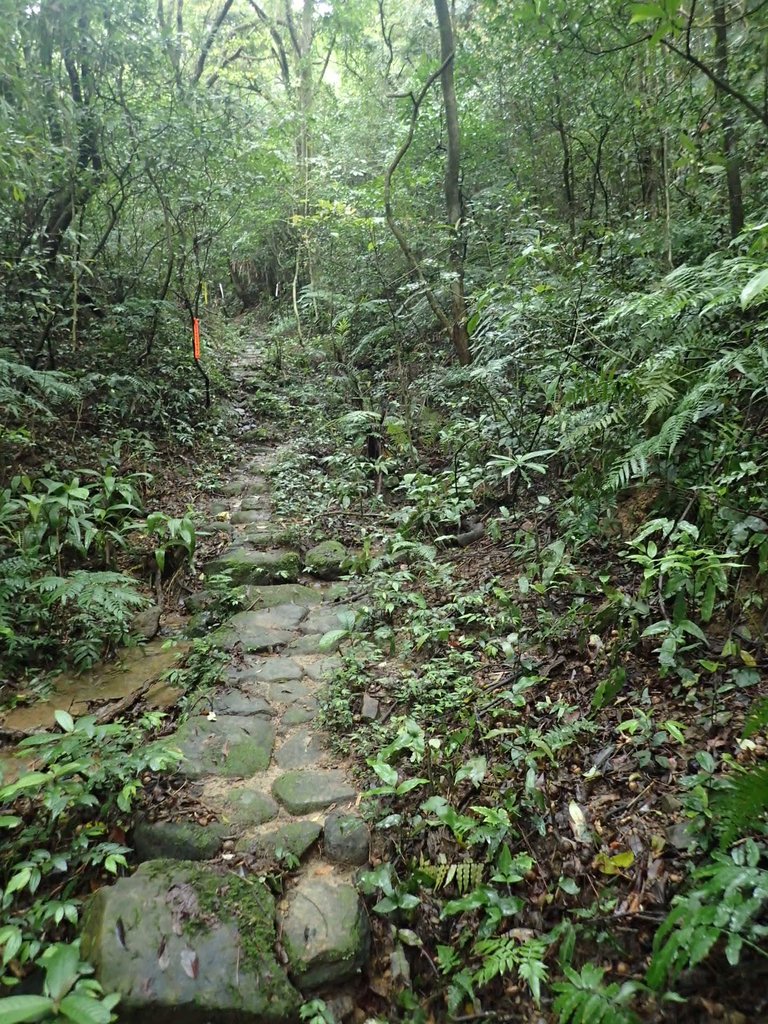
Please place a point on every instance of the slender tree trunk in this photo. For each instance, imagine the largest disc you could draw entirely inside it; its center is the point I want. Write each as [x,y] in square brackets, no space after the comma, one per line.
[459,332]
[732,169]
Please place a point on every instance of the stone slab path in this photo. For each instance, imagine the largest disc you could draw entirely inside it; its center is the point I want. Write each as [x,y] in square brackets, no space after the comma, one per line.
[180,939]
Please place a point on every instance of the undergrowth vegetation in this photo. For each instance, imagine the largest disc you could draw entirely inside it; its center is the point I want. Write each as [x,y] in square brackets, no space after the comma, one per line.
[562,552]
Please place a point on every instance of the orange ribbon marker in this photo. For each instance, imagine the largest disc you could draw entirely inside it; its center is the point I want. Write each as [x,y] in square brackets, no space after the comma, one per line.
[196,338]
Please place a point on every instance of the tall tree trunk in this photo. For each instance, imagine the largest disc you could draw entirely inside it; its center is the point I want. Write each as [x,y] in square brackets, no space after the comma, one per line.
[459,332]
[732,169]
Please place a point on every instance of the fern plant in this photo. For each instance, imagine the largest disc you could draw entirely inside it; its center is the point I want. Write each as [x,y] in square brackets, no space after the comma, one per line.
[584,998]
[725,903]
[506,954]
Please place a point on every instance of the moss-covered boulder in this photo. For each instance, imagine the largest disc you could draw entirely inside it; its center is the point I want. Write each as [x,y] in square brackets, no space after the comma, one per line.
[181,942]
[245,565]
[234,746]
[326,560]
[177,840]
[325,931]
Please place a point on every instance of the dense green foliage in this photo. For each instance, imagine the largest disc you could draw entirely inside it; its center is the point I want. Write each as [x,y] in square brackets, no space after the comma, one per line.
[606,440]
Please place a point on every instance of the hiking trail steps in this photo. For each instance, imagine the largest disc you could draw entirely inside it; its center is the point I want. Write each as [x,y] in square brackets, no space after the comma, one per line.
[185,939]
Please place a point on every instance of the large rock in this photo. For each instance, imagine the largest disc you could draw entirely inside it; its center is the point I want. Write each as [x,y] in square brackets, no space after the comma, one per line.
[265,670]
[181,942]
[326,560]
[295,837]
[283,593]
[250,806]
[325,932]
[244,565]
[327,618]
[177,840]
[302,792]
[234,746]
[246,630]
[346,839]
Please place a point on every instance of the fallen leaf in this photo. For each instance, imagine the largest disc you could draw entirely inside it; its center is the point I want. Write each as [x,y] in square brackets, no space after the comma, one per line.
[190,963]
[579,825]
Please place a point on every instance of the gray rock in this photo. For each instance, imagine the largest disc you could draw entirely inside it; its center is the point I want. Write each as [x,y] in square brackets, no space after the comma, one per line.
[311,644]
[268,670]
[147,623]
[213,527]
[232,488]
[243,630]
[250,806]
[257,485]
[322,669]
[302,792]
[179,941]
[177,840]
[326,560]
[245,565]
[346,839]
[234,746]
[370,708]
[325,932]
[297,716]
[291,691]
[296,837]
[301,750]
[253,502]
[200,623]
[238,702]
[247,516]
[326,618]
[279,616]
[199,601]
[283,593]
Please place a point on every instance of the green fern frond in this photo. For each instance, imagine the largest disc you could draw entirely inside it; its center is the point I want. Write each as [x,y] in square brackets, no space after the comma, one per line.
[742,804]
[504,955]
[727,898]
[584,999]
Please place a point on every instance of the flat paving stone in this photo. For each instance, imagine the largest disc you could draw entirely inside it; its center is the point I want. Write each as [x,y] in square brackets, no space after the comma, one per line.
[311,644]
[243,631]
[298,716]
[301,750]
[324,619]
[291,691]
[283,593]
[279,616]
[247,518]
[250,806]
[321,668]
[253,502]
[234,746]
[302,792]
[268,670]
[238,702]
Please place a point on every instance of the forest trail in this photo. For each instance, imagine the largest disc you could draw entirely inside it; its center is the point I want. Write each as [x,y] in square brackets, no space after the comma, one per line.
[257,767]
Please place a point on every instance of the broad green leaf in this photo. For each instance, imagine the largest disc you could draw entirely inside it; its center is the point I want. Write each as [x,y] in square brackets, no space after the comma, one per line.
[20,1009]
[65,720]
[754,289]
[84,1010]
[61,964]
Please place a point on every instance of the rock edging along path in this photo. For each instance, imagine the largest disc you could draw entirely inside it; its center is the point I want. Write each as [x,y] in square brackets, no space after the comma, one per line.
[194,942]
